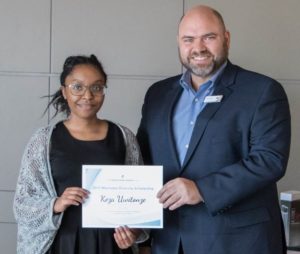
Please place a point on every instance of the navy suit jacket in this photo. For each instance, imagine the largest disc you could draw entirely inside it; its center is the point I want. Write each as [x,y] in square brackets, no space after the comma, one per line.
[238,151]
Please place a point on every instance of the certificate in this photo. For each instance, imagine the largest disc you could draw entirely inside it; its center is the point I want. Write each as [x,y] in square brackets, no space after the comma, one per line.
[122,195]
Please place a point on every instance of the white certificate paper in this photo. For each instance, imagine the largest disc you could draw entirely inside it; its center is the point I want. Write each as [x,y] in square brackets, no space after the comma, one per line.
[122,195]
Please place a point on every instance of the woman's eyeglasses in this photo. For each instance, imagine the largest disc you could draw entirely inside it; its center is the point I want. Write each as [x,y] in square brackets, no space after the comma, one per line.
[79,89]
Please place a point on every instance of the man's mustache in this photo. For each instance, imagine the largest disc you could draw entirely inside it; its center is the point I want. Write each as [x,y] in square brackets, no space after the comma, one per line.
[202,54]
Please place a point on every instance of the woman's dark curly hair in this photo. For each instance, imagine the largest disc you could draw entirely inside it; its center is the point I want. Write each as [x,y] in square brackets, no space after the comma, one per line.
[57,99]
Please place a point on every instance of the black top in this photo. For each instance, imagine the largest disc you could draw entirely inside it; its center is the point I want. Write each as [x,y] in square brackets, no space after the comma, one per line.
[67,156]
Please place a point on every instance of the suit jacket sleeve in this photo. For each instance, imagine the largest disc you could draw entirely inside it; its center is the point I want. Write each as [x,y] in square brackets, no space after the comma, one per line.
[269,142]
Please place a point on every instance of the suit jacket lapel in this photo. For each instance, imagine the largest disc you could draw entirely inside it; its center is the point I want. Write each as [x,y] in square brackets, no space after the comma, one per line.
[222,88]
[173,96]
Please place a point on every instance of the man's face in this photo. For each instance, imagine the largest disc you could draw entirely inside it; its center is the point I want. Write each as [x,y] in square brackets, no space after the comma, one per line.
[203,44]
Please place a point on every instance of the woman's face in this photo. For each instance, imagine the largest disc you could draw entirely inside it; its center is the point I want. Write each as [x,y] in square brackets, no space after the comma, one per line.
[87,79]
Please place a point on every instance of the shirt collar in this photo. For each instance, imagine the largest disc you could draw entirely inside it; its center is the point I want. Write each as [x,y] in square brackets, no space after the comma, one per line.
[185,80]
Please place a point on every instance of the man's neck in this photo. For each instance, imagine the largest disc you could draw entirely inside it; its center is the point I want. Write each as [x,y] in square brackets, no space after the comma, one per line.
[197,81]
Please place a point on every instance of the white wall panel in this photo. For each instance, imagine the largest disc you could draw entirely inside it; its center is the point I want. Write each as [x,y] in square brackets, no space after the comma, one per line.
[8,238]
[21,109]
[54,86]
[25,35]
[265,34]
[6,212]
[133,37]
[124,101]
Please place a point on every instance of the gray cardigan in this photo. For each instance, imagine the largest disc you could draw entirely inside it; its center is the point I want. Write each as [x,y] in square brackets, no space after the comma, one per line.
[35,192]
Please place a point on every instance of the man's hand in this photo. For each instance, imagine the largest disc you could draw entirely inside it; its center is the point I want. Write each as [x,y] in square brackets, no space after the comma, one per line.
[179,192]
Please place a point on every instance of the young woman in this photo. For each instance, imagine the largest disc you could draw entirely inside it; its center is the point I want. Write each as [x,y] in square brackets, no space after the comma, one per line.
[48,197]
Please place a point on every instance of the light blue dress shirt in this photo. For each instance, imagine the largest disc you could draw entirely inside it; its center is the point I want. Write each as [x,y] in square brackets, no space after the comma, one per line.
[187,109]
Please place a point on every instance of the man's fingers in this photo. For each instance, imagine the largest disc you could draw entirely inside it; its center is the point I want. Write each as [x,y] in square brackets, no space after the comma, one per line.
[179,192]
[167,188]
[172,199]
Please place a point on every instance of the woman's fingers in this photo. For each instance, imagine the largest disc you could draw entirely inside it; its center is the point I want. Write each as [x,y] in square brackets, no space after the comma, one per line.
[125,236]
[70,196]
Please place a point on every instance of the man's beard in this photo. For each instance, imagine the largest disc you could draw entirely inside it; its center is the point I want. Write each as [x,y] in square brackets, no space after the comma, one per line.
[206,70]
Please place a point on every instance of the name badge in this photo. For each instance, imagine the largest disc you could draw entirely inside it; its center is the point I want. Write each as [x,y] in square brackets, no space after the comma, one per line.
[213,99]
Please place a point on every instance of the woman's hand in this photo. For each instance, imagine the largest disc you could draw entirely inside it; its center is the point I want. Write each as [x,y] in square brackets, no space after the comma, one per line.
[125,236]
[71,196]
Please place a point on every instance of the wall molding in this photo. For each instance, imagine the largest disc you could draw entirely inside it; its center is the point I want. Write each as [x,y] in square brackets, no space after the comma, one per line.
[9,223]
[110,76]
[119,76]
[289,81]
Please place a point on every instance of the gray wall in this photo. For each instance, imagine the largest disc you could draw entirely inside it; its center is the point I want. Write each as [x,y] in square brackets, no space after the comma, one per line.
[136,41]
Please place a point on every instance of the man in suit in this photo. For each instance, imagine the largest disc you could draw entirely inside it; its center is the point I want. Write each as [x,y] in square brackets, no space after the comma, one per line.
[222,134]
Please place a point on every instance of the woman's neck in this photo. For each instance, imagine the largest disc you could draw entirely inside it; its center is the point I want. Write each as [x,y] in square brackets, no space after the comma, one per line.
[87,129]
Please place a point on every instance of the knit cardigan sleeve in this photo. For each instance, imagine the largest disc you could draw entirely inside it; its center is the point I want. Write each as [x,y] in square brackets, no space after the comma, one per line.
[133,157]
[133,153]
[34,198]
